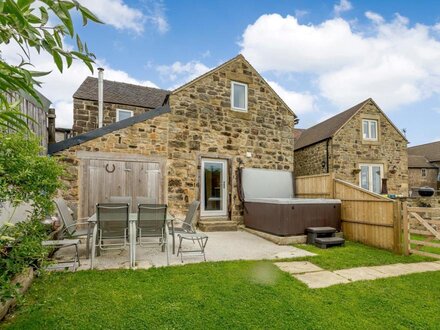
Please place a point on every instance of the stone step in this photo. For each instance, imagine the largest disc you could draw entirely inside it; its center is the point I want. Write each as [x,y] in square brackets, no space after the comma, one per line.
[325,242]
[212,225]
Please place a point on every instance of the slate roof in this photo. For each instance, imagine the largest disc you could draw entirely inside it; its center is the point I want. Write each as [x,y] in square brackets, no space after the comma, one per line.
[76,140]
[122,93]
[327,128]
[430,151]
[419,162]
[297,133]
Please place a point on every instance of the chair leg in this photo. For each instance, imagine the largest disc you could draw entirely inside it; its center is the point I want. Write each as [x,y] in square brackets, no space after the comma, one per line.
[77,254]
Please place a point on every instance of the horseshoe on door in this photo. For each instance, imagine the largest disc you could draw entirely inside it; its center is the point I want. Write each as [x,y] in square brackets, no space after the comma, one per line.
[110,171]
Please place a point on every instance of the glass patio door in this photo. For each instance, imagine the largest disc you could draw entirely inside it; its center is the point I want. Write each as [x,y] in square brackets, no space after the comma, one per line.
[214,187]
[371,177]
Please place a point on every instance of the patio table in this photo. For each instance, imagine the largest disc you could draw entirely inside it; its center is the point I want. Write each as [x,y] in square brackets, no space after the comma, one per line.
[132,218]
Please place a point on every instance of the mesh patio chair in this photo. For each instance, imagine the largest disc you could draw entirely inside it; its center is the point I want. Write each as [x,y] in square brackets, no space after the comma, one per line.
[145,200]
[187,231]
[71,228]
[151,223]
[112,222]
[121,199]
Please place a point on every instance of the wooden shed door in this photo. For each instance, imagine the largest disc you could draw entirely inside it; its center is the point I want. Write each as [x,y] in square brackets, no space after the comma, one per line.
[101,179]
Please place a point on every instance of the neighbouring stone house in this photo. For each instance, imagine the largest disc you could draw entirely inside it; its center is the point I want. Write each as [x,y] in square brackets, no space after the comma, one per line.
[189,147]
[360,145]
[424,165]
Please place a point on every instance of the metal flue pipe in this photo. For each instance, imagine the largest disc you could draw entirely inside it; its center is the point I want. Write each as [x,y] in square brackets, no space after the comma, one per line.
[100,97]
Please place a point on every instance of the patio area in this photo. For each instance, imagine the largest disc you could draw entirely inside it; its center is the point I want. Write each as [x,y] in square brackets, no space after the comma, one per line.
[222,246]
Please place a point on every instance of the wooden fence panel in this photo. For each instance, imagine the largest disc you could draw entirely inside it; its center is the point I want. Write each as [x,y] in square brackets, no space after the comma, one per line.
[366,217]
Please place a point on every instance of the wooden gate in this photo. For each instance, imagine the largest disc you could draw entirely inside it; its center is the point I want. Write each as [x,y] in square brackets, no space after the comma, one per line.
[104,175]
[421,231]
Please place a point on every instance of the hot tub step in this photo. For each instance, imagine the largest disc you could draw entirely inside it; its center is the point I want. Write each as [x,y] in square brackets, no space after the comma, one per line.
[326,242]
[319,232]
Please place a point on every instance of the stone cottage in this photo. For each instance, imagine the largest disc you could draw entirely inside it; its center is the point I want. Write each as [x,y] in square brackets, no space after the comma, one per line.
[360,145]
[188,147]
[424,165]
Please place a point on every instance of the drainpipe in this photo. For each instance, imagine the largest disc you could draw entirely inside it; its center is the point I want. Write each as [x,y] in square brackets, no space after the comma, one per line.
[326,162]
[51,125]
[100,96]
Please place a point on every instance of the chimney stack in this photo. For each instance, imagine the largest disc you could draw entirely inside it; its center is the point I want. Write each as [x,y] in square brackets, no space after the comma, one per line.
[100,97]
[51,125]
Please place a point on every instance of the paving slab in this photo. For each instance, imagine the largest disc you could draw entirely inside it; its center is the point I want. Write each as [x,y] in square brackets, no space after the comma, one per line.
[322,279]
[361,274]
[298,267]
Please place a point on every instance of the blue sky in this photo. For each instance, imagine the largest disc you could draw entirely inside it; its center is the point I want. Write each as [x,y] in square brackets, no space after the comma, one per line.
[321,56]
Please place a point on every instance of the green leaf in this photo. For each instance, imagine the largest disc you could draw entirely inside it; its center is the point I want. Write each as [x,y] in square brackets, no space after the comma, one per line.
[79,43]
[58,60]
[44,16]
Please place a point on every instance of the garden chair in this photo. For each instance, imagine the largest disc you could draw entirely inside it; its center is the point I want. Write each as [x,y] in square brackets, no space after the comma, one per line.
[151,223]
[121,199]
[71,227]
[112,222]
[187,231]
[145,200]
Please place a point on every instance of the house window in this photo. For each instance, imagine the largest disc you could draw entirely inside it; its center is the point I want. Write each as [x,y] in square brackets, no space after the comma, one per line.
[123,114]
[239,97]
[369,129]
[423,172]
[371,177]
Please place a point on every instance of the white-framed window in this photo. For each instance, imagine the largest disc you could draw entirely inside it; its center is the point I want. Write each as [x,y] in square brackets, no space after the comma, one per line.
[369,129]
[122,114]
[370,177]
[423,171]
[239,96]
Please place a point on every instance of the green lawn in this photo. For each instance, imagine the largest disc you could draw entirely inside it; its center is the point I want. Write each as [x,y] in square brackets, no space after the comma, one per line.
[234,295]
[430,249]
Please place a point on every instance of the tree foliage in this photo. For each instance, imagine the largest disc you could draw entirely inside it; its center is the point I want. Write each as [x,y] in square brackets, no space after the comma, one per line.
[25,175]
[41,25]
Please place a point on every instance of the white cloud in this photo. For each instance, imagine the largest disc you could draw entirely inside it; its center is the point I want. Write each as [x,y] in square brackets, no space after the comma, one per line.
[180,73]
[117,13]
[59,87]
[342,6]
[396,64]
[300,103]
[374,17]
[156,15]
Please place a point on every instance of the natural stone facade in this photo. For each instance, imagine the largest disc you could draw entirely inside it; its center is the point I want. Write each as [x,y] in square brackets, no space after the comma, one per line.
[416,179]
[202,124]
[85,114]
[347,150]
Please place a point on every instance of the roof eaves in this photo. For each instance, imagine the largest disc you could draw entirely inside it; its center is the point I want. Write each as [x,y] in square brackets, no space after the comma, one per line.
[82,138]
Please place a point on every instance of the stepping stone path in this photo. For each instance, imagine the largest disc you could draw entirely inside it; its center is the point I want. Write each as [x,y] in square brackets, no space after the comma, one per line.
[316,277]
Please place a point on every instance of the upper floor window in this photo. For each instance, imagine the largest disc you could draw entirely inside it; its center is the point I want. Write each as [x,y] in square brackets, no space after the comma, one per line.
[239,97]
[369,129]
[123,114]
[423,172]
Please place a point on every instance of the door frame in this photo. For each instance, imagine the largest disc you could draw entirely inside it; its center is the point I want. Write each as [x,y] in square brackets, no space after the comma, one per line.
[224,194]
[370,175]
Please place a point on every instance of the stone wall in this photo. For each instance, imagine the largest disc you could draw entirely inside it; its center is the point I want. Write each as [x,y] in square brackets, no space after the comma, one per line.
[349,150]
[202,124]
[148,138]
[417,180]
[310,160]
[85,114]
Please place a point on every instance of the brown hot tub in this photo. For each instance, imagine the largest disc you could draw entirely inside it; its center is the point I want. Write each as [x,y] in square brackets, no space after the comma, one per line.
[291,216]
[270,206]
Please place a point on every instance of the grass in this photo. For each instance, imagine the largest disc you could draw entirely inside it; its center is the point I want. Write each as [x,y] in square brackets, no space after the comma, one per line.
[429,249]
[242,294]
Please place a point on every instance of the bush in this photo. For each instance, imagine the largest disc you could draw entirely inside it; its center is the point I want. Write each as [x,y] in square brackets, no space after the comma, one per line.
[20,247]
[25,176]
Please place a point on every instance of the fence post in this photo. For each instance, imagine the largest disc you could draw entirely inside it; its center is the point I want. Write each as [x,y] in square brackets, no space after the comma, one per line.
[406,247]
[332,185]
[397,210]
